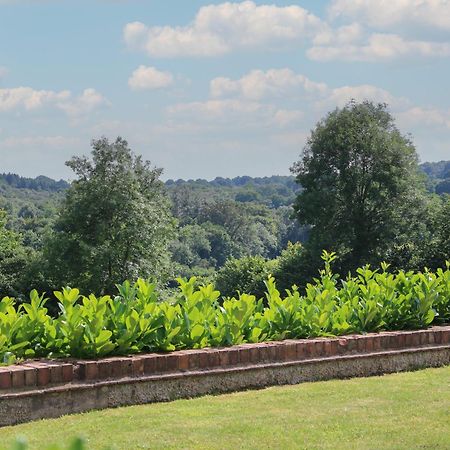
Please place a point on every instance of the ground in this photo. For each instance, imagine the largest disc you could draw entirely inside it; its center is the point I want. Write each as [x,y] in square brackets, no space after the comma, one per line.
[399,411]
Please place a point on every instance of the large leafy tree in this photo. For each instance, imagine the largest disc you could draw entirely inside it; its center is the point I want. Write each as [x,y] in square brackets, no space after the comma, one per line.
[114,224]
[361,184]
[13,259]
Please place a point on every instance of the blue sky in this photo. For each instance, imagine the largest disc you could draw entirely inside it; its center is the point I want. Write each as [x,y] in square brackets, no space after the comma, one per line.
[210,88]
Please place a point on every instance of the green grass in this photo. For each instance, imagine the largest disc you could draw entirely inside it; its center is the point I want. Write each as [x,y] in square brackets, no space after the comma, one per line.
[399,411]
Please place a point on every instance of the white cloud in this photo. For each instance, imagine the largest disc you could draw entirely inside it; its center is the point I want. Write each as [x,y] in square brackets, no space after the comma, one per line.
[219,29]
[149,78]
[259,84]
[39,141]
[420,116]
[85,103]
[388,14]
[284,85]
[380,47]
[232,113]
[338,97]
[29,99]
[346,34]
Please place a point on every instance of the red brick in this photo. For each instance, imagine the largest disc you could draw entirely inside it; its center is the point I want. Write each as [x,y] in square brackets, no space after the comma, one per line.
[415,340]
[265,352]
[30,376]
[320,347]
[213,358]
[105,368]
[352,344]
[224,357]
[300,349]
[149,364]
[160,363]
[203,359]
[56,375]
[376,340]
[369,344]
[183,360]
[171,362]
[43,375]
[385,341]
[437,336]
[194,359]
[342,346]
[244,354]
[17,377]
[290,349]
[88,370]
[446,336]
[334,346]
[423,337]
[327,348]
[5,378]
[401,339]
[67,373]
[361,345]
[137,366]
[280,352]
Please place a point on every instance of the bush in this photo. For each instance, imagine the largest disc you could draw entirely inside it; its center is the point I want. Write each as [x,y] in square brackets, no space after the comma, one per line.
[135,320]
[247,274]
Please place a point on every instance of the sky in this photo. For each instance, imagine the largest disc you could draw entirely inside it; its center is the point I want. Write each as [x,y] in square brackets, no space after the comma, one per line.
[212,88]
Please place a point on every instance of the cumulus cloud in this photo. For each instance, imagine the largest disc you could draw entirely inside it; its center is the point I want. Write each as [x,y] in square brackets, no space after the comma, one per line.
[380,47]
[219,29]
[281,85]
[149,78]
[39,141]
[342,95]
[29,99]
[260,99]
[420,116]
[232,113]
[387,14]
[259,84]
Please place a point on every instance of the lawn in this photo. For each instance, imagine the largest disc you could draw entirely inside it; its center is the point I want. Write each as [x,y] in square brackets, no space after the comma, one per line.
[399,411]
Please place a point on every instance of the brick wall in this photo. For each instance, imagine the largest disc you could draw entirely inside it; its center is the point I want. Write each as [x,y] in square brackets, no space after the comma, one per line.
[41,373]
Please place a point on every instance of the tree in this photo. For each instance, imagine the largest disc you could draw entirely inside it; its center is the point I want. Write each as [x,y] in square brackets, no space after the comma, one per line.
[114,223]
[361,184]
[13,259]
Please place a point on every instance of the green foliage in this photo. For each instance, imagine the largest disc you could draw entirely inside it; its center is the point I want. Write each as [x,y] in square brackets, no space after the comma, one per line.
[114,223]
[13,258]
[361,185]
[135,320]
[247,274]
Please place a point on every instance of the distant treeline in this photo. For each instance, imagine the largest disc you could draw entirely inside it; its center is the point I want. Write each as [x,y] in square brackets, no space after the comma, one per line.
[40,183]
[285,186]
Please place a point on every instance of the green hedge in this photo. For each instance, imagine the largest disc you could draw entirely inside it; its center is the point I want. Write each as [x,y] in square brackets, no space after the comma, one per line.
[135,321]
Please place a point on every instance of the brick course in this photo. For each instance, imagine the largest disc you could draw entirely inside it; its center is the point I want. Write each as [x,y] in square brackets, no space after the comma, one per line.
[43,373]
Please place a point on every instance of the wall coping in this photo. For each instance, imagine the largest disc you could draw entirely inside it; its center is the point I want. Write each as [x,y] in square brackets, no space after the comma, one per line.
[38,375]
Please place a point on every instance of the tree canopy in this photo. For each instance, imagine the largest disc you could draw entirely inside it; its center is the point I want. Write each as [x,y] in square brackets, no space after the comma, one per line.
[115,222]
[361,183]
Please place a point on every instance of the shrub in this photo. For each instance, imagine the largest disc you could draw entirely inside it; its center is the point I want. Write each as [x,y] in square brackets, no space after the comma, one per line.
[247,274]
[136,321]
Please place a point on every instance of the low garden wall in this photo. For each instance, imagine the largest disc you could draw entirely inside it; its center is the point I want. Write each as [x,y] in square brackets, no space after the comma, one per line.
[51,388]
